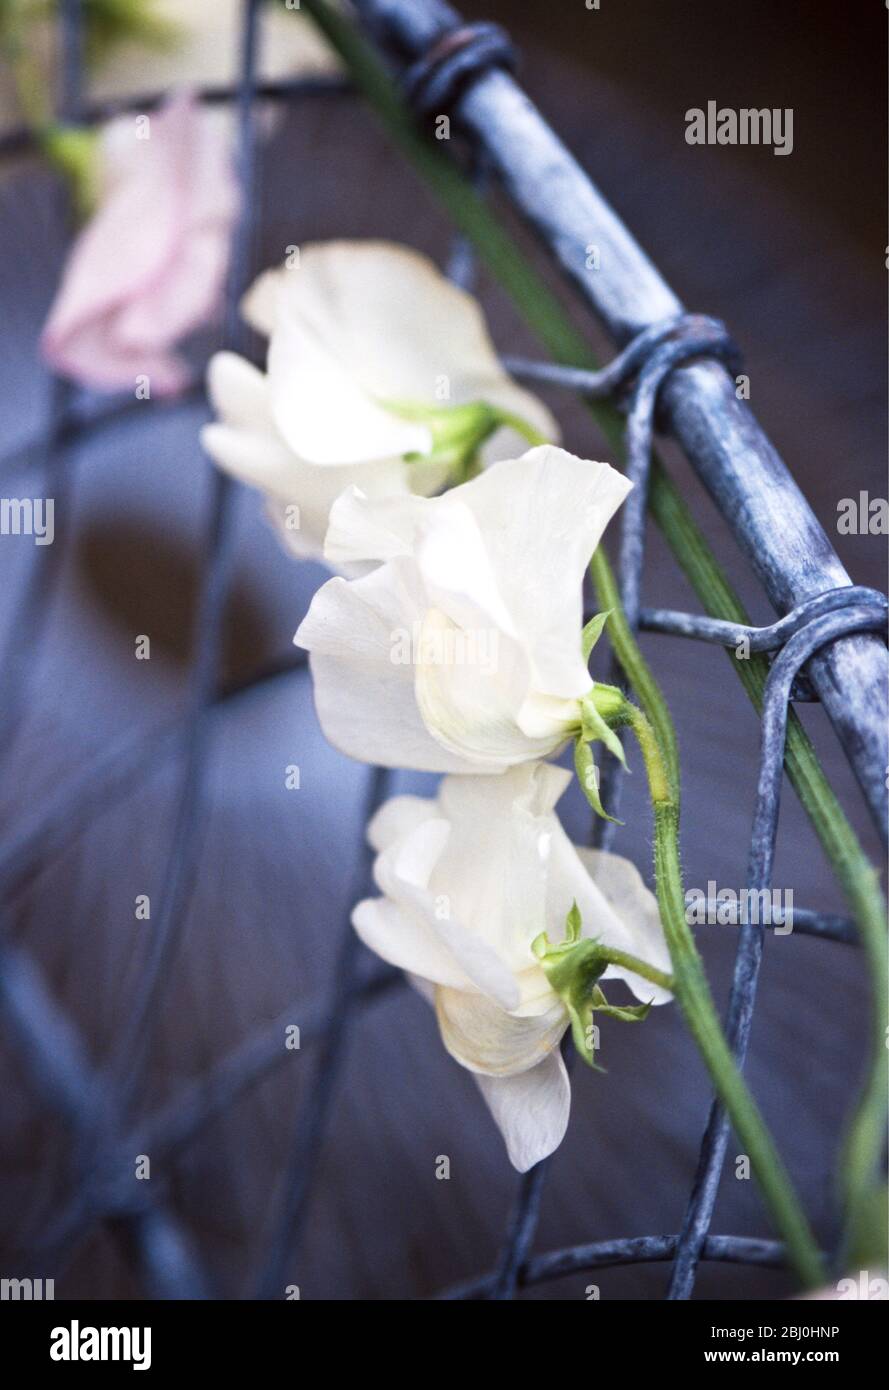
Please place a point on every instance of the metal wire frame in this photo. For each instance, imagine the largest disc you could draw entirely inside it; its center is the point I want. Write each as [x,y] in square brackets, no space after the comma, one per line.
[718,433]
[649,360]
[94,1103]
[129,1069]
[816,633]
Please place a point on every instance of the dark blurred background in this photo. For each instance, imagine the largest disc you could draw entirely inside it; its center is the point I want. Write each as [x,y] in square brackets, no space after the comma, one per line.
[790,251]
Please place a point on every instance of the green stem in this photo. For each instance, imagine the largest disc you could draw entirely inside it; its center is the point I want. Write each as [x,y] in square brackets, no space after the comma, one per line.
[861,1172]
[860,1165]
[696,1001]
[548,319]
[638,967]
[522,427]
[634,665]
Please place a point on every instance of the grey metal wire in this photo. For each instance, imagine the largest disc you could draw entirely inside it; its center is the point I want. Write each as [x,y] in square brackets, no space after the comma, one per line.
[113,776]
[433,83]
[647,362]
[716,430]
[308,1131]
[609,1254]
[92,1102]
[128,1067]
[824,628]
[44,566]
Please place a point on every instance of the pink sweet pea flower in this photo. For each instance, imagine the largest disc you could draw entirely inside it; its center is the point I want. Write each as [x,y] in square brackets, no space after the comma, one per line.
[149,266]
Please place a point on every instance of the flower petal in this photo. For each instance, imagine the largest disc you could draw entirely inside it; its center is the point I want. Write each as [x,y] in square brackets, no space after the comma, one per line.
[495,865]
[259,305]
[540,567]
[364,691]
[531,1109]
[483,1037]
[405,943]
[397,817]
[370,322]
[408,862]
[403,872]
[380,529]
[531,788]
[412,929]
[321,410]
[239,392]
[255,457]
[468,702]
[453,557]
[170,201]
[300,495]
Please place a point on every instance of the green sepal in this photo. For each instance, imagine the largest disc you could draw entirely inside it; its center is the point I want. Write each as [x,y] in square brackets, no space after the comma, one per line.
[458,433]
[592,632]
[573,927]
[573,968]
[573,975]
[546,951]
[627,1013]
[595,709]
[585,767]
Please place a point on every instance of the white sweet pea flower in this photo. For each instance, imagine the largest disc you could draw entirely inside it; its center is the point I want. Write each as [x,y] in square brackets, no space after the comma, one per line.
[470,880]
[462,651]
[381,374]
[247,443]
